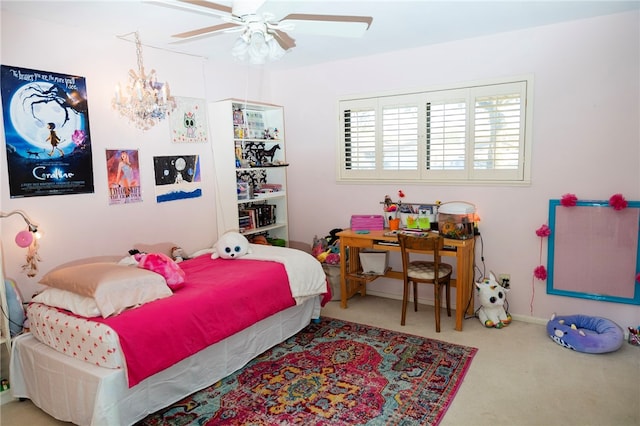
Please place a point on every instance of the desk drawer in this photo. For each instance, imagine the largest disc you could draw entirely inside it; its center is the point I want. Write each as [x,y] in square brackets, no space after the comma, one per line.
[381,246]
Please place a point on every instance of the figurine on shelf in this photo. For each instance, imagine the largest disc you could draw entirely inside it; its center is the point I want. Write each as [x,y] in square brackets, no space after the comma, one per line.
[271,152]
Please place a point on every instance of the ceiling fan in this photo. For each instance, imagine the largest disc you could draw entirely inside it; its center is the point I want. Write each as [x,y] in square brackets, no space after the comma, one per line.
[263,36]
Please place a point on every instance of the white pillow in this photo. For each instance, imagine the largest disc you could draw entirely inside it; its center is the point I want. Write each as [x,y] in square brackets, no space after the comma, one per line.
[113,287]
[63,299]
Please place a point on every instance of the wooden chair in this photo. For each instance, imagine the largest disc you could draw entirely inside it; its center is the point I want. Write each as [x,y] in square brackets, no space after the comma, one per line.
[420,271]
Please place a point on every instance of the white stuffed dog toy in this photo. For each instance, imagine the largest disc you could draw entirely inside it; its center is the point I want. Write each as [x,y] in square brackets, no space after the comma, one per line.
[231,245]
[492,296]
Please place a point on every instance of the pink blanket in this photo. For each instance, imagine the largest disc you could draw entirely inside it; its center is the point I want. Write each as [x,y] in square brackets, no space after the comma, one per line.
[219,298]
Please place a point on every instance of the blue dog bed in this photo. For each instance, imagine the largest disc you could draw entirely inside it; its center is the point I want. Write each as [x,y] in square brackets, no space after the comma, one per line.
[584,333]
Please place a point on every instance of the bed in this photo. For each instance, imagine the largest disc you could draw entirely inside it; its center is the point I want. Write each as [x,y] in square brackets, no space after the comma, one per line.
[116,370]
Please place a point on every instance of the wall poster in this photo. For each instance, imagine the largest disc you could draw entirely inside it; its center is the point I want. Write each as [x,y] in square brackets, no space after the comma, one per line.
[188,122]
[47,138]
[123,174]
[177,177]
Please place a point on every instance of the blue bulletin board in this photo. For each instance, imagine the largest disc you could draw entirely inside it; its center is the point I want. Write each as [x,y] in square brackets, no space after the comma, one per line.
[593,251]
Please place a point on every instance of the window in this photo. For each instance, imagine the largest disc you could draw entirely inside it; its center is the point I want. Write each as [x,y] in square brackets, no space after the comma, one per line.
[477,134]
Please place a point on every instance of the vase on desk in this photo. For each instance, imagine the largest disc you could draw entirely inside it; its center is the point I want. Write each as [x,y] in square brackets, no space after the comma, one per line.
[388,216]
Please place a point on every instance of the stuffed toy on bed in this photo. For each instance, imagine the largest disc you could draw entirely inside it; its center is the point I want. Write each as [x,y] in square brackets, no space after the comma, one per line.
[162,264]
[492,296]
[231,245]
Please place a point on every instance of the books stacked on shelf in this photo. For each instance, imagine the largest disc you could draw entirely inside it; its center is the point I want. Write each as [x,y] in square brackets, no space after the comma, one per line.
[270,187]
[256,216]
[244,222]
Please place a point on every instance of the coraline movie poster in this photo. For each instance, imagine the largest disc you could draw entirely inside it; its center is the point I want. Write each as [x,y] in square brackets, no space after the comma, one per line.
[47,138]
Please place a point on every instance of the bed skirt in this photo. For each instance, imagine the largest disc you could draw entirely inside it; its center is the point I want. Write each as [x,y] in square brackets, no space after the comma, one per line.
[75,391]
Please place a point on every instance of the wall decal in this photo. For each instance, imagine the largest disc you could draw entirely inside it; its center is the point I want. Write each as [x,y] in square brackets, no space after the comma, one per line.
[47,138]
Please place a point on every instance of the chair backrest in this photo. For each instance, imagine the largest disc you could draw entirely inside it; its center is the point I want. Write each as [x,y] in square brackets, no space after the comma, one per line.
[431,244]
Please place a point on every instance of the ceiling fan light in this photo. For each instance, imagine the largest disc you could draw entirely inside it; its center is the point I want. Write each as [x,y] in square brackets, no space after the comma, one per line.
[240,49]
[257,45]
[275,50]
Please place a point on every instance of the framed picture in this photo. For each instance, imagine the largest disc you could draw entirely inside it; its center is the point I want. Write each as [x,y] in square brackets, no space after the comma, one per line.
[123,175]
[177,177]
[188,122]
[254,124]
[46,125]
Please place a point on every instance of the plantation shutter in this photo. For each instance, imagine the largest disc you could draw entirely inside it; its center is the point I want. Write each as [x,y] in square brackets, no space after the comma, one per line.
[473,133]
[446,134]
[498,131]
[359,127]
[400,137]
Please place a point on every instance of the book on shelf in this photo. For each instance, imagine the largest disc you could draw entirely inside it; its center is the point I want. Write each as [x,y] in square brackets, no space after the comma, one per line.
[257,216]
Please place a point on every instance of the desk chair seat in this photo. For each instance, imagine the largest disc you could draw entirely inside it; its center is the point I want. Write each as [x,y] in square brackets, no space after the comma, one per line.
[420,271]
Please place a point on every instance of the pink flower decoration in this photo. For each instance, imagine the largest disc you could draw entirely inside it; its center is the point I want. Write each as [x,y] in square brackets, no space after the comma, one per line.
[540,272]
[569,200]
[543,231]
[618,202]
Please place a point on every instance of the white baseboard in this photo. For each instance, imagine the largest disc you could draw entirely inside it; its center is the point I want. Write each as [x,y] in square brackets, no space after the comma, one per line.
[532,320]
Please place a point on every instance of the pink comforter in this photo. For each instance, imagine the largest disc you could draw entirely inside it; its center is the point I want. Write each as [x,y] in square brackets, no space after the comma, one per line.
[220,297]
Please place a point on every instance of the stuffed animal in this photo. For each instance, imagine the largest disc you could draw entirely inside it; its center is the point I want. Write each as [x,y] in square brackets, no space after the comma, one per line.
[231,245]
[492,296]
[584,333]
[162,264]
[177,254]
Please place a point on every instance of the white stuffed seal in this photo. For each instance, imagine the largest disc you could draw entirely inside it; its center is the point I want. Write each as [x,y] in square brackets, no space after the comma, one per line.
[231,245]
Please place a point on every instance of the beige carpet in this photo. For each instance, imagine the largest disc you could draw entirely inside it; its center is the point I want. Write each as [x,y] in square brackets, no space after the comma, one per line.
[518,377]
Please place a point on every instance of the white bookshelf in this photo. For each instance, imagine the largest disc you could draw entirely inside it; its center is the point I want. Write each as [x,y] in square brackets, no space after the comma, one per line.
[240,132]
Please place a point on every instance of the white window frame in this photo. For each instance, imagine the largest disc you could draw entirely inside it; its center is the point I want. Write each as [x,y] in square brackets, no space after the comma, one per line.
[469,175]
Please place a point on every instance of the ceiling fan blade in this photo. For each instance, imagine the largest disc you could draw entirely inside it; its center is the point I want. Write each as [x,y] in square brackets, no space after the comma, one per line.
[196,6]
[209,5]
[284,40]
[207,31]
[333,25]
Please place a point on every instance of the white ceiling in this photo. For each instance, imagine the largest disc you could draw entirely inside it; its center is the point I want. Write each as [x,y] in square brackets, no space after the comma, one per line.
[397,24]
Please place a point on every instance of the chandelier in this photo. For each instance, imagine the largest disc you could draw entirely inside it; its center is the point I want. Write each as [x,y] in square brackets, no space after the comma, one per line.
[256,45]
[144,101]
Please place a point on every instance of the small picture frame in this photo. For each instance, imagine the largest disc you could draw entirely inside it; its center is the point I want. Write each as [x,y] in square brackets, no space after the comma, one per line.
[188,122]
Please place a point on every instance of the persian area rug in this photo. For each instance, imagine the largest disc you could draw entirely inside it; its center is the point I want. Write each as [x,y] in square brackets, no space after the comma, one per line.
[333,373]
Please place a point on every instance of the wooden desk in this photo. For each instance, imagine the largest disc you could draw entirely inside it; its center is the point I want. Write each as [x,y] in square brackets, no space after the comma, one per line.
[353,281]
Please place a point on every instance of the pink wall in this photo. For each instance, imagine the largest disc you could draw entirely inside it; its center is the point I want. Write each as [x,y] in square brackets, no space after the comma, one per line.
[586,140]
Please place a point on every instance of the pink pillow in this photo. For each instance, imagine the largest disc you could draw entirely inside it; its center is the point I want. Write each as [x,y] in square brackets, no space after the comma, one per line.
[113,287]
[165,266]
